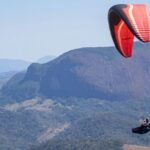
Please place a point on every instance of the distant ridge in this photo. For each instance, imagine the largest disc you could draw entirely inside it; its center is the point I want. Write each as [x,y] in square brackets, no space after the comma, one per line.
[7,65]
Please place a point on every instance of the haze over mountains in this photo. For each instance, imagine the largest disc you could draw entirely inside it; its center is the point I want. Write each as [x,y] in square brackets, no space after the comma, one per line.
[7,65]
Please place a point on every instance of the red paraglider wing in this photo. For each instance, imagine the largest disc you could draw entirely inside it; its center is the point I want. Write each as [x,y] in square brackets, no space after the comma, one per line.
[127,21]
[124,38]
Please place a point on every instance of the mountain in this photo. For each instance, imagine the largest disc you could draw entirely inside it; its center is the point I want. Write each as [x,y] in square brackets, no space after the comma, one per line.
[88,98]
[85,72]
[7,65]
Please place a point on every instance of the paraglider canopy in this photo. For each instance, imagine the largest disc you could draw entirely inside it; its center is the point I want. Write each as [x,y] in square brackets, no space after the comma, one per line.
[127,21]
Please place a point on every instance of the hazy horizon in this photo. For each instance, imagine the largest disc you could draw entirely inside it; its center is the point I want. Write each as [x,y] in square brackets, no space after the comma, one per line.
[34,29]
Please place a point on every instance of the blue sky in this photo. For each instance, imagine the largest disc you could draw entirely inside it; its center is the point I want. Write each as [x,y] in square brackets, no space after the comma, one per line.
[30,29]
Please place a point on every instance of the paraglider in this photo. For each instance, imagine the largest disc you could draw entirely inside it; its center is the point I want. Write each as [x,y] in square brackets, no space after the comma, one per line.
[127,21]
[143,128]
